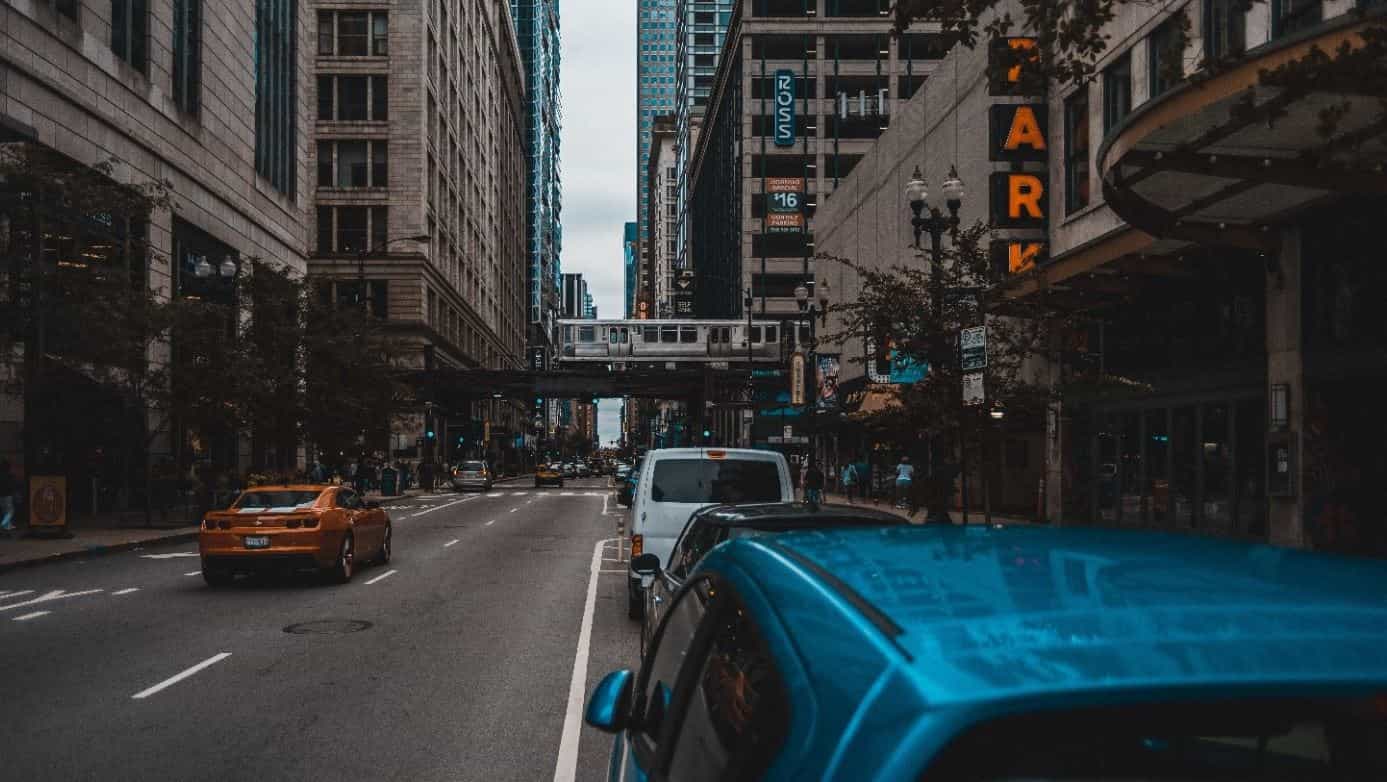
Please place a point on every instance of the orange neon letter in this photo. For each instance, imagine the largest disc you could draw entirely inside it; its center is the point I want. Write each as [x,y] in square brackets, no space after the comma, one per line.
[1024,192]
[1021,256]
[1025,129]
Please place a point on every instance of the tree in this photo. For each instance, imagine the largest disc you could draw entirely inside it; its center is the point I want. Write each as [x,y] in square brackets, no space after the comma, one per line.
[895,309]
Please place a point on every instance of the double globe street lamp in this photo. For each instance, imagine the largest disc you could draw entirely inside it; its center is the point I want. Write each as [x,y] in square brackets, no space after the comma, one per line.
[935,223]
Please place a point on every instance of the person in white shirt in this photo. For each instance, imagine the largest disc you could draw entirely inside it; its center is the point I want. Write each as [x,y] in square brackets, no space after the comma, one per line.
[905,474]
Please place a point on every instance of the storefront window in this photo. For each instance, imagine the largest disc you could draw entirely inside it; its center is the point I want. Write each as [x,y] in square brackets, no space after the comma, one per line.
[1217,451]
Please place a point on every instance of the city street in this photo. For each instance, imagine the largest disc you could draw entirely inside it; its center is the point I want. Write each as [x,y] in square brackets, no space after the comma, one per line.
[456,661]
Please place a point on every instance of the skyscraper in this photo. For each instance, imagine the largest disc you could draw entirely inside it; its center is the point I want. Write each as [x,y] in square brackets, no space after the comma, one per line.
[537,28]
[655,88]
[631,265]
[699,35]
[575,296]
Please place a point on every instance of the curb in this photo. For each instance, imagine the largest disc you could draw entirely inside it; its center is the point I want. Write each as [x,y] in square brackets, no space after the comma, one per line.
[97,551]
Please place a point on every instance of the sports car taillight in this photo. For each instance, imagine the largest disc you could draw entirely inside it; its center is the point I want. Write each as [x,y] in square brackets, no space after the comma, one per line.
[637,546]
[210,524]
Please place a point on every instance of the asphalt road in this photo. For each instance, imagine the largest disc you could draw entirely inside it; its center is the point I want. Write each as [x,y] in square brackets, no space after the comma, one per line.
[455,661]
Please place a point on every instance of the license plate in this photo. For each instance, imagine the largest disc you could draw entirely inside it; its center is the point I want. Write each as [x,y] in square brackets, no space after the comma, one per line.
[257,541]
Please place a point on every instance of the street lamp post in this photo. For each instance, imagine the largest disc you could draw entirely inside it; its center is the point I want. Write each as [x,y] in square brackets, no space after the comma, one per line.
[936,224]
[817,312]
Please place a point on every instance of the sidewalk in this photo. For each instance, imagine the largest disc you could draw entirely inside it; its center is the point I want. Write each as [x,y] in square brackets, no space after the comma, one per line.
[975,516]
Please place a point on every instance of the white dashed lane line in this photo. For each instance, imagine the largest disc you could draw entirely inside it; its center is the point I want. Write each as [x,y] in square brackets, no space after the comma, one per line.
[176,678]
[194,573]
[56,594]
[441,507]
[452,542]
[34,615]
[382,577]
[489,523]
[16,593]
[126,591]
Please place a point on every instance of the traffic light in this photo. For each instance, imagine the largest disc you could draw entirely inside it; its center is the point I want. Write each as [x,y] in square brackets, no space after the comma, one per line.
[707,433]
[429,434]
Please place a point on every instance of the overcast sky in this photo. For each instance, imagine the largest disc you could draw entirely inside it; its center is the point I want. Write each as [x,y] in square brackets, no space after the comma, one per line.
[598,153]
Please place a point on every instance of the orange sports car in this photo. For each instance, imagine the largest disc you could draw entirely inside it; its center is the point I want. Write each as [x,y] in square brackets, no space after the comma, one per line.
[328,528]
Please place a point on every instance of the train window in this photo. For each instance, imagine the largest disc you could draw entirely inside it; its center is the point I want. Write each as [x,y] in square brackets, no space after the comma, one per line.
[587,334]
[688,334]
[755,333]
[713,336]
[616,336]
[669,334]
[726,335]
[651,334]
[804,335]
[567,333]
[771,335]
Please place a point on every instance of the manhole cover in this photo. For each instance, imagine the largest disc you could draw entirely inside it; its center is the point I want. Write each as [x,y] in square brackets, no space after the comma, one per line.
[328,627]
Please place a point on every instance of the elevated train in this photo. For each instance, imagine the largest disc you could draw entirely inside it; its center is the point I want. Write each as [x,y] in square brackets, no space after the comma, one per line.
[683,341]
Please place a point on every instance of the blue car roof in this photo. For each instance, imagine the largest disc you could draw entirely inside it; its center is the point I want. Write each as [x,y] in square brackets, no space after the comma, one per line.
[981,614]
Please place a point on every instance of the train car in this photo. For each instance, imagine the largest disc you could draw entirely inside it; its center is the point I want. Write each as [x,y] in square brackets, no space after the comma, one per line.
[655,341]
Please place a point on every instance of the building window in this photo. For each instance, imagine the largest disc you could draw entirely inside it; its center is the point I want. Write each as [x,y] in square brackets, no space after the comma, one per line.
[1076,193]
[187,54]
[274,92]
[353,33]
[129,32]
[352,164]
[351,229]
[1117,92]
[352,98]
[1225,28]
[1289,16]
[1164,58]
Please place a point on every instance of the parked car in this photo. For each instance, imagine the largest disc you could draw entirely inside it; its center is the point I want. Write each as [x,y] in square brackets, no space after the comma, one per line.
[675,482]
[711,526]
[936,653]
[472,475]
[327,528]
[626,488]
[548,475]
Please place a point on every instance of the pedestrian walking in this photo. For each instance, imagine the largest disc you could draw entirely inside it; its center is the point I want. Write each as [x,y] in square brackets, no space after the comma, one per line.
[849,480]
[9,487]
[813,484]
[905,476]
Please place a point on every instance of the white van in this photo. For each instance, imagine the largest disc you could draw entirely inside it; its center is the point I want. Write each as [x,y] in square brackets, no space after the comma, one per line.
[676,482]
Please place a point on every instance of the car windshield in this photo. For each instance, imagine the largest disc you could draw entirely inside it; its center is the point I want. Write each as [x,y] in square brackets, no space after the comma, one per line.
[715,480]
[472,467]
[280,500]
[1225,741]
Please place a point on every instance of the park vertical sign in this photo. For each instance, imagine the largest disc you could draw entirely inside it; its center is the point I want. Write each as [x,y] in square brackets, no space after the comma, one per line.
[784,205]
[1018,136]
[784,96]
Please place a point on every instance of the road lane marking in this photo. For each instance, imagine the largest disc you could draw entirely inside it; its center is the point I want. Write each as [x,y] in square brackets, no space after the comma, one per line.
[176,678]
[615,572]
[194,573]
[55,594]
[513,510]
[566,494]
[126,591]
[452,542]
[381,577]
[566,766]
[174,555]
[489,523]
[16,593]
[34,615]
[441,507]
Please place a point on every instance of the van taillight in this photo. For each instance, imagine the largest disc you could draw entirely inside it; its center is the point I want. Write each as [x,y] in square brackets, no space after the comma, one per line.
[637,545]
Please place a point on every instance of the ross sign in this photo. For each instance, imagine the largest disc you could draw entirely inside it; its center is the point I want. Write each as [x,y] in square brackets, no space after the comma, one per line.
[1018,132]
[972,346]
[973,389]
[1016,256]
[828,382]
[797,379]
[783,127]
[48,502]
[1018,200]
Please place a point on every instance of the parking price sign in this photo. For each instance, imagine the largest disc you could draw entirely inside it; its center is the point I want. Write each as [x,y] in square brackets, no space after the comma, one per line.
[972,345]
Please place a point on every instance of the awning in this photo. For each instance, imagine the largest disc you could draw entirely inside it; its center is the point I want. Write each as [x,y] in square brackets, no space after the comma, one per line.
[1227,155]
[877,399]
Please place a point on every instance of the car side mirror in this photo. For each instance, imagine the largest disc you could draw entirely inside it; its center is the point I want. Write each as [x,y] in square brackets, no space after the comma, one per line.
[646,565]
[610,702]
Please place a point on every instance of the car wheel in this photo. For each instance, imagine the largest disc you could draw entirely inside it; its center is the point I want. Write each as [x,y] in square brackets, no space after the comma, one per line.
[216,577]
[384,556]
[342,570]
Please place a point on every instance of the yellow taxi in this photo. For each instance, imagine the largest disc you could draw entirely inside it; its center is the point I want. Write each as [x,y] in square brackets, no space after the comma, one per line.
[326,528]
[549,475]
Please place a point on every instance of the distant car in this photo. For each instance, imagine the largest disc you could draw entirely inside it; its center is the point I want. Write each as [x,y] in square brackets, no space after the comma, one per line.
[584,470]
[327,528]
[675,482]
[472,475]
[548,475]
[570,470]
[951,654]
[626,487]
[711,526]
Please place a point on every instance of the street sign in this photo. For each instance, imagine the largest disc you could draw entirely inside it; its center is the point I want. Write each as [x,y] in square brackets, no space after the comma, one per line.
[784,126]
[972,344]
[789,431]
[797,379]
[799,440]
[973,389]
[777,223]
